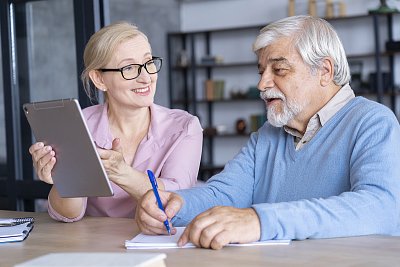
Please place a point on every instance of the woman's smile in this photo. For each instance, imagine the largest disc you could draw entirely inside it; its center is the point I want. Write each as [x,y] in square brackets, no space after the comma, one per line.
[142,91]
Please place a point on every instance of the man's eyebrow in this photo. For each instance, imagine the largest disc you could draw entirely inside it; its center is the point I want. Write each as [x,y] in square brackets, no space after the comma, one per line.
[279,59]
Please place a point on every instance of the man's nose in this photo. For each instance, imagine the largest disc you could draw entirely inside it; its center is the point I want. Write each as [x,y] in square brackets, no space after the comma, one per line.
[266,81]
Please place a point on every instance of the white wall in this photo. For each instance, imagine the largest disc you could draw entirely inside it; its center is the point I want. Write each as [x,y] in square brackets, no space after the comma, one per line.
[200,15]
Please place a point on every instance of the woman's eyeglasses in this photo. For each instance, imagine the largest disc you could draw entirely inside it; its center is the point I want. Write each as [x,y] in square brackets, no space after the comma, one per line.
[132,71]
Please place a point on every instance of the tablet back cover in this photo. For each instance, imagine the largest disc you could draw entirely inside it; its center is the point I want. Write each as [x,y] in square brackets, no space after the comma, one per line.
[78,171]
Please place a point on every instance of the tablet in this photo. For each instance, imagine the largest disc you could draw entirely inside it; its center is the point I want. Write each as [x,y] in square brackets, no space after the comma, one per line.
[78,171]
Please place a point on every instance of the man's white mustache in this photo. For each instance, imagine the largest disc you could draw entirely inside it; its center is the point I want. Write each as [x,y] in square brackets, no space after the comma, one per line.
[272,93]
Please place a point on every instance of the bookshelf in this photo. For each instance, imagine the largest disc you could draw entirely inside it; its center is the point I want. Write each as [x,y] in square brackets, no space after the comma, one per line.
[197,62]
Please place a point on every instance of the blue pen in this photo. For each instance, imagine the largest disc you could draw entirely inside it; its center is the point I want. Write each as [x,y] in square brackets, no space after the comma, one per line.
[153,182]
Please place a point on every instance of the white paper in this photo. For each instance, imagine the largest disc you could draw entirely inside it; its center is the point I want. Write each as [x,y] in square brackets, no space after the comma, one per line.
[105,259]
[142,241]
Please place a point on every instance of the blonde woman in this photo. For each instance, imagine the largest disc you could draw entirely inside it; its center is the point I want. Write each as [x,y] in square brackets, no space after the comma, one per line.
[133,134]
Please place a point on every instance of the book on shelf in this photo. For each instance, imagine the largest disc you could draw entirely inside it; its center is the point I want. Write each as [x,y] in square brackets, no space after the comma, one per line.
[214,89]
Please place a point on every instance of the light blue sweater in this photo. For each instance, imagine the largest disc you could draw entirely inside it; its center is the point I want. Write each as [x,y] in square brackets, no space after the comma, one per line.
[344,182]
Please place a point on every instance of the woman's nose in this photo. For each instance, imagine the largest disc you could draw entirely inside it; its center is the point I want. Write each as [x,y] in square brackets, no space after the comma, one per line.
[144,76]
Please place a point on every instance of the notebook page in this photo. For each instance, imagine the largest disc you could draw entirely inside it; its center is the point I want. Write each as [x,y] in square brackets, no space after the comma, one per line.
[142,241]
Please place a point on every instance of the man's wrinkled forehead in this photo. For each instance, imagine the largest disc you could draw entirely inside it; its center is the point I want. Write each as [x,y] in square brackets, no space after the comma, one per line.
[280,51]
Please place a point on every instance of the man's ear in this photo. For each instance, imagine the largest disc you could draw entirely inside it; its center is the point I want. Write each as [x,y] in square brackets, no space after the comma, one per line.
[97,80]
[327,71]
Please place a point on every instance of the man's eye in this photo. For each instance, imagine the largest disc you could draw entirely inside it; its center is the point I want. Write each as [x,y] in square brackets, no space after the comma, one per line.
[279,71]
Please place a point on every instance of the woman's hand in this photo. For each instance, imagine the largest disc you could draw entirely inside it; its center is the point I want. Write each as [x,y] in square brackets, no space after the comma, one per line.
[114,163]
[44,159]
[134,182]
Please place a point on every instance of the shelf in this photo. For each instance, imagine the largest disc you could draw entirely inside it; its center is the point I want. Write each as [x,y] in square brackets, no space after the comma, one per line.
[228,65]
[259,27]
[228,100]
[371,55]
[254,63]
[203,101]
[227,135]
[219,65]
[211,168]
[208,170]
[367,92]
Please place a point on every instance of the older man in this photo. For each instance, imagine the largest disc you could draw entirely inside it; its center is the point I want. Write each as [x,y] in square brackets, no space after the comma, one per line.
[326,164]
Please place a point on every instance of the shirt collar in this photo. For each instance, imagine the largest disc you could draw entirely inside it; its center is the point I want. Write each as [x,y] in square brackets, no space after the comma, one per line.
[339,100]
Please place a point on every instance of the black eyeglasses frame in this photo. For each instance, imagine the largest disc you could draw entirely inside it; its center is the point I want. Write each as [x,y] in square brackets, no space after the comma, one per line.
[121,70]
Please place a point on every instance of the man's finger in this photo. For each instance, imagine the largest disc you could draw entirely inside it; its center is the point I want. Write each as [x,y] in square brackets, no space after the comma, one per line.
[184,239]
[209,233]
[220,240]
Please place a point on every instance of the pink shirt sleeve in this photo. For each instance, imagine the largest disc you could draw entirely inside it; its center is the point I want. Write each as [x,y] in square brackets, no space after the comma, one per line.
[58,217]
[181,168]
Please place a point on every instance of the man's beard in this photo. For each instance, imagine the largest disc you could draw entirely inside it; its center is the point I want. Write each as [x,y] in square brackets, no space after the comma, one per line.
[290,109]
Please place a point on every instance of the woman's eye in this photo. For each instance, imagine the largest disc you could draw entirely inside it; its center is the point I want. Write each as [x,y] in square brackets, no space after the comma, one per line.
[128,68]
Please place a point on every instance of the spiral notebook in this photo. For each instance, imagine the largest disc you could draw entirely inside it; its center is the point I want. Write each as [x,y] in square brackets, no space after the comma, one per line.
[14,230]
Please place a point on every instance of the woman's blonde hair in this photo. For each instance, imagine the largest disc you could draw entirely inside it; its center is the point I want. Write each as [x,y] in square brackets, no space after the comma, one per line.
[101,47]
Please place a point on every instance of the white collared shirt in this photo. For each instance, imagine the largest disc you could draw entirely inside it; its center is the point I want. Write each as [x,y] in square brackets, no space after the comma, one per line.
[342,97]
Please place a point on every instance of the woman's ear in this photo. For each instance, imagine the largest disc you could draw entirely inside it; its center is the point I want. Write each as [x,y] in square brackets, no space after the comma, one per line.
[97,80]
[327,71]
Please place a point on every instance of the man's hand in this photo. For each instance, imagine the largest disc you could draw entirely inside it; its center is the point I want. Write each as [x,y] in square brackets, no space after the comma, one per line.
[150,218]
[220,226]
